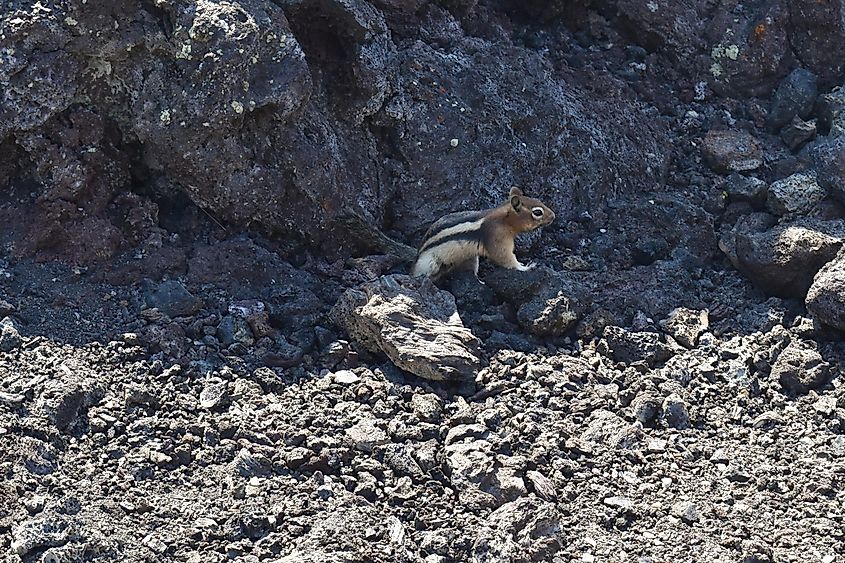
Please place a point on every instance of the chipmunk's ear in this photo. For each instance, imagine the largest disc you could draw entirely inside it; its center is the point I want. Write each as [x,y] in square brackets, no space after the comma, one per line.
[516,203]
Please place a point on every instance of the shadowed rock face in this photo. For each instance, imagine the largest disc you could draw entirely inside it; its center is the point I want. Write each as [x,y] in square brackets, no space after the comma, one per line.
[287,115]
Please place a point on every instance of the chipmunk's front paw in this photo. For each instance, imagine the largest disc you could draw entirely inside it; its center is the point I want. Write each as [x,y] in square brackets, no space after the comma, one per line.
[524,268]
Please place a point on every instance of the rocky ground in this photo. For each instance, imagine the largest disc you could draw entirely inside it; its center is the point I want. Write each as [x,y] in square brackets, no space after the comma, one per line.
[210,351]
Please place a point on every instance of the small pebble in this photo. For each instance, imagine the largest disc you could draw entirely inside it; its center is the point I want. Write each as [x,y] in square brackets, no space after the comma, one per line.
[686,511]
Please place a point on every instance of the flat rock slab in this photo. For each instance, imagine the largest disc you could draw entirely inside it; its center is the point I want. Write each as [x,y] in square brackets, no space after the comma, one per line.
[413,323]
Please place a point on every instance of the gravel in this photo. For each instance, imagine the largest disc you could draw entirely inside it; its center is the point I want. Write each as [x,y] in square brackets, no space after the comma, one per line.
[210,350]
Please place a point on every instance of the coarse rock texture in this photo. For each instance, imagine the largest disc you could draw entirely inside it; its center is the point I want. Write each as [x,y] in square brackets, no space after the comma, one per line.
[794,97]
[732,151]
[800,368]
[783,260]
[235,105]
[686,325]
[210,350]
[826,297]
[746,188]
[795,194]
[797,132]
[829,159]
[414,323]
[831,112]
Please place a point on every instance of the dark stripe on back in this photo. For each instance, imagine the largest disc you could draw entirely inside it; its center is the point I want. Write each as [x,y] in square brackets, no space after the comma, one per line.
[466,236]
[453,219]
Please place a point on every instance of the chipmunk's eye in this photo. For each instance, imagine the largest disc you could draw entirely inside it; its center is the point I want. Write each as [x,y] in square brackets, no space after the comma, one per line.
[537,212]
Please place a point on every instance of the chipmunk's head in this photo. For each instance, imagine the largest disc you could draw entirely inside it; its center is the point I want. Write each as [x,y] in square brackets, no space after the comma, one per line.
[527,213]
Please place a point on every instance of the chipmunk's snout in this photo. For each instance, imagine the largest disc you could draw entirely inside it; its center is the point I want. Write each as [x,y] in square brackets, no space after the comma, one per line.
[542,215]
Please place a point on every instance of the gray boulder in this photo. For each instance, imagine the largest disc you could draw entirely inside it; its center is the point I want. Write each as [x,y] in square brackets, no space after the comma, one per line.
[794,96]
[746,188]
[628,347]
[783,260]
[829,160]
[826,297]
[548,303]
[526,529]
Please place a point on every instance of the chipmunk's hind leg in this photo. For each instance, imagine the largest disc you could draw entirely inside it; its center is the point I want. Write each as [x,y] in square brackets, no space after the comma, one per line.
[470,265]
[426,265]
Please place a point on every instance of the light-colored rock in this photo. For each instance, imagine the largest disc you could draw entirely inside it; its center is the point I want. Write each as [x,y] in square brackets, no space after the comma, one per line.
[413,323]
[783,260]
[468,462]
[345,377]
[551,313]
[686,325]
[365,435]
[10,338]
[686,511]
[464,431]
[39,533]
[675,412]
[609,429]
[428,407]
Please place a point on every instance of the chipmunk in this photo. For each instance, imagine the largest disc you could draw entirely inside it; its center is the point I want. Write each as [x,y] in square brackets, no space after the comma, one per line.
[455,242]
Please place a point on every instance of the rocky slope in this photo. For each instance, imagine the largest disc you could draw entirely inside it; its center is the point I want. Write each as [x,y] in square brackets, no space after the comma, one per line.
[208,352]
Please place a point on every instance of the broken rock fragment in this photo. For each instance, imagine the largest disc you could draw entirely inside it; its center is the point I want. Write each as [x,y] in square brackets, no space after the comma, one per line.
[413,323]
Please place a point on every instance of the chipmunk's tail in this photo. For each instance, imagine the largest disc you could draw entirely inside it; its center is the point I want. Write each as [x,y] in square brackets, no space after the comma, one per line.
[372,238]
